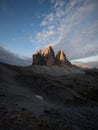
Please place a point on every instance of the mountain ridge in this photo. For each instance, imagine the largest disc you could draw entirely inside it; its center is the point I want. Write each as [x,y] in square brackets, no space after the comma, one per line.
[45,62]
[48,58]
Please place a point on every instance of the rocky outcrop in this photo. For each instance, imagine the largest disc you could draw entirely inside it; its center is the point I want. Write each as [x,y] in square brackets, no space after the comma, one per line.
[61,59]
[48,58]
[38,58]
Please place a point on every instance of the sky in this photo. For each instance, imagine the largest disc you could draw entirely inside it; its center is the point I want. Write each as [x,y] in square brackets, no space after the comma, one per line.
[70,25]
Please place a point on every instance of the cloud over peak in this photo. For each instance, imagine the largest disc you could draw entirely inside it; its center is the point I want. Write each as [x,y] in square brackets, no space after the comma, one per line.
[71,26]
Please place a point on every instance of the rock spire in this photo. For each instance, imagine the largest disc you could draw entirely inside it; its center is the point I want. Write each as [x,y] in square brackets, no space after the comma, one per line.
[48,58]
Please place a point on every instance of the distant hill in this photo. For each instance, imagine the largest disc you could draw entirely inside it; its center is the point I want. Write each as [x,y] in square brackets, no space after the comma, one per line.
[10,58]
[86,65]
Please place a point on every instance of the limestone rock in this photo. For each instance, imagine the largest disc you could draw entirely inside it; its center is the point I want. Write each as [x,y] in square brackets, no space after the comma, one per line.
[49,56]
[38,58]
[60,57]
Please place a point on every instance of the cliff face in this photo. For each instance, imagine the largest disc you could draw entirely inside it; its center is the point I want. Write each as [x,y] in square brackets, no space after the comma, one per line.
[60,57]
[38,58]
[48,58]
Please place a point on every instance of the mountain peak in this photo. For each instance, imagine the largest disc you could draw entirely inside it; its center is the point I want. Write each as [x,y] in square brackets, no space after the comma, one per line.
[47,57]
[60,57]
[48,51]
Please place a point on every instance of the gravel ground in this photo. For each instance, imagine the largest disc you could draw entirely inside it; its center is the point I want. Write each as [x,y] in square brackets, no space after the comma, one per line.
[30,101]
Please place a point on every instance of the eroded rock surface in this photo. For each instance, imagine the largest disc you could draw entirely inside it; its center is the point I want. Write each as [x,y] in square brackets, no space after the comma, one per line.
[61,59]
[48,58]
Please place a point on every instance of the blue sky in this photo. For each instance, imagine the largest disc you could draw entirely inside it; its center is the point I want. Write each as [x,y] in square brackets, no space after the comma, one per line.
[70,25]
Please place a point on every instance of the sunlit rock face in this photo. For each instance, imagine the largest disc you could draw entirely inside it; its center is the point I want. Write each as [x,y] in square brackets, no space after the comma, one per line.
[61,59]
[48,58]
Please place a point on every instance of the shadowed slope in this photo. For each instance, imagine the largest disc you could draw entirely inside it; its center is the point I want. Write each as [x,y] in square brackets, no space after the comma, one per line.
[68,101]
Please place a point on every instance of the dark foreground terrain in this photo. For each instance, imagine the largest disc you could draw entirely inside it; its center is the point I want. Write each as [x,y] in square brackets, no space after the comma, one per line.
[31,101]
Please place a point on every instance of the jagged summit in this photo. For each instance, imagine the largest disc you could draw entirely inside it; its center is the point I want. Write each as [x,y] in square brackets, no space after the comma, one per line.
[61,57]
[47,57]
[48,51]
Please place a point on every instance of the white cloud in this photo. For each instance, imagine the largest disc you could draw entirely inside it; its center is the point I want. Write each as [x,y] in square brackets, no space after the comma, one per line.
[44,37]
[69,26]
[48,19]
[59,3]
